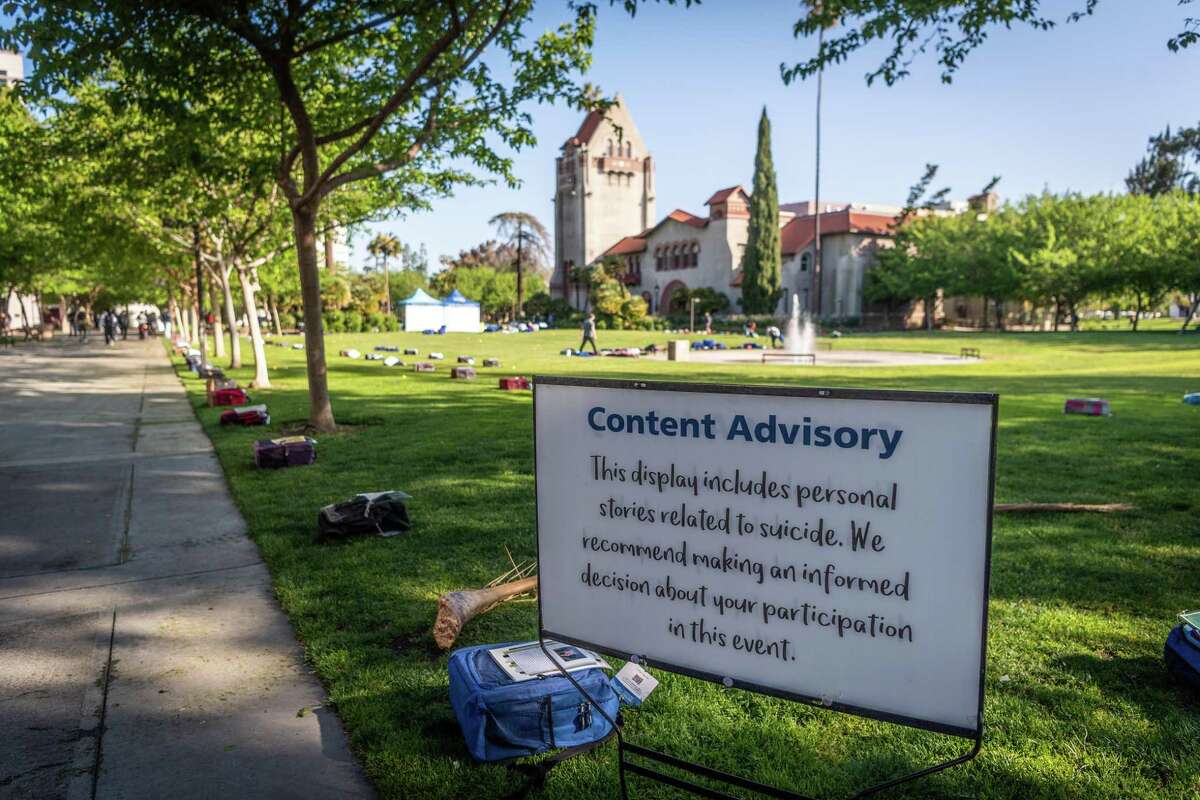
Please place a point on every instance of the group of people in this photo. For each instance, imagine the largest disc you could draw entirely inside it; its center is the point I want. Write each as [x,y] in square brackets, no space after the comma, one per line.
[750,329]
[115,325]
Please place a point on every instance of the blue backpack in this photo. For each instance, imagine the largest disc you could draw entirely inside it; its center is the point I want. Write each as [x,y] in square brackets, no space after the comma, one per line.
[502,719]
[1182,654]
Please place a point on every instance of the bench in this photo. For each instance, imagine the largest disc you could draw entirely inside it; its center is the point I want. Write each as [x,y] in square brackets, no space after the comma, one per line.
[810,357]
[969,352]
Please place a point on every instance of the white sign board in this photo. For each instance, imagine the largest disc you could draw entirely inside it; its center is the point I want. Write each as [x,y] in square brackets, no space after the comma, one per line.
[826,545]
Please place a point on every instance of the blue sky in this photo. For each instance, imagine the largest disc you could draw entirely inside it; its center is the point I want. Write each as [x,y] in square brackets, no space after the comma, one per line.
[1065,109]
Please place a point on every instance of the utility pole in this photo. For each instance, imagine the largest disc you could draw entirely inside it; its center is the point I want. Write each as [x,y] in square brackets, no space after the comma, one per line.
[817,191]
[200,323]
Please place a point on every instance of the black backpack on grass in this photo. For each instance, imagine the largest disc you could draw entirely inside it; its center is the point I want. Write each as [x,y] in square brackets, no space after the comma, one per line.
[369,514]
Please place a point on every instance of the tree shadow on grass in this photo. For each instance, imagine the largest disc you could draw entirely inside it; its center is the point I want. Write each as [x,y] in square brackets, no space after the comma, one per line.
[464,450]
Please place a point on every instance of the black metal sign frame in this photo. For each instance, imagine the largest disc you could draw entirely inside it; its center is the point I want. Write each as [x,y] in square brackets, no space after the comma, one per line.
[626,749]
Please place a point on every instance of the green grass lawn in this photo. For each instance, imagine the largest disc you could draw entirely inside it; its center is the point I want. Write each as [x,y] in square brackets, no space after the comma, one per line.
[1078,702]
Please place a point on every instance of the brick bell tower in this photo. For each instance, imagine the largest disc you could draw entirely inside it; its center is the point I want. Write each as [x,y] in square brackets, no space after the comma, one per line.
[604,192]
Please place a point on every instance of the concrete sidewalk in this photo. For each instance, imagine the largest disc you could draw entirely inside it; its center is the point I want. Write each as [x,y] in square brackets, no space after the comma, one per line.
[142,652]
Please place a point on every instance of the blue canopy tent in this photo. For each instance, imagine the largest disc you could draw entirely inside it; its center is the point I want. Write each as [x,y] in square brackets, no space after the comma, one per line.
[455,314]
[460,314]
[422,312]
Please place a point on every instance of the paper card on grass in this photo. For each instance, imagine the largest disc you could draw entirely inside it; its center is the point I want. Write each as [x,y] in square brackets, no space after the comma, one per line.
[636,681]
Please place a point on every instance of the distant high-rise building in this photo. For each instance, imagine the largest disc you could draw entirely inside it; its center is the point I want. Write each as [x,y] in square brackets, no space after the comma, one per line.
[605,191]
[12,68]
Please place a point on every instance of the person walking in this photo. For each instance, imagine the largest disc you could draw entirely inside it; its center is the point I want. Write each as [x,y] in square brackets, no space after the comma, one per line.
[589,334]
[166,321]
[123,323]
[109,321]
[708,322]
[81,322]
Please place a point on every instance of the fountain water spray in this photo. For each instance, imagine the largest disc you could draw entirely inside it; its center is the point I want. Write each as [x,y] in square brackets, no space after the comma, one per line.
[801,336]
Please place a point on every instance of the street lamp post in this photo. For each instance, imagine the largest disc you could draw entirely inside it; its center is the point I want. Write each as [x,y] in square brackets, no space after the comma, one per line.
[692,309]
[653,299]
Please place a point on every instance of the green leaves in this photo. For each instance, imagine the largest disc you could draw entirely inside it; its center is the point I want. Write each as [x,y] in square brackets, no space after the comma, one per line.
[949,30]
[1049,250]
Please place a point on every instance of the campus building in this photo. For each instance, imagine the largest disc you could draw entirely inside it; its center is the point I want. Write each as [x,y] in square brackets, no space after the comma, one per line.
[604,206]
[12,68]
[604,191]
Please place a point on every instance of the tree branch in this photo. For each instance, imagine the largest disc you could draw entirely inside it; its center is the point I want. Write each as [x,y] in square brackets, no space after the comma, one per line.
[380,168]
[402,94]
[342,36]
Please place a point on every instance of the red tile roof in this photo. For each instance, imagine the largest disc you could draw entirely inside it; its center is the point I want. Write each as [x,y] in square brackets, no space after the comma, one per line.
[686,217]
[637,244]
[587,129]
[627,246]
[798,233]
[721,195]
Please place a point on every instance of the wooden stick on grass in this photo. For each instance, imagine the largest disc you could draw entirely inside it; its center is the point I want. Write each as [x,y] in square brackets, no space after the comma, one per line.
[1099,508]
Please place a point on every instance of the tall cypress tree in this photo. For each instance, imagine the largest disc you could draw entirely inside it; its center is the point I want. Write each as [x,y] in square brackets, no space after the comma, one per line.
[761,262]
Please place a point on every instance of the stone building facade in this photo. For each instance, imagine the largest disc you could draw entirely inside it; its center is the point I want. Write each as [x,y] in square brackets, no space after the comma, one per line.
[688,251]
[12,68]
[604,191]
[604,206]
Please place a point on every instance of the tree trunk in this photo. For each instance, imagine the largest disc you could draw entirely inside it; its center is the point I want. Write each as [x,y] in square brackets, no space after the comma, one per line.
[173,310]
[198,328]
[235,340]
[24,317]
[1192,306]
[929,301]
[214,308]
[320,410]
[1071,309]
[261,379]
[330,264]
[1058,304]
[63,325]
[387,289]
[519,311]
[985,313]
[274,315]
[7,303]
[184,320]
[1137,314]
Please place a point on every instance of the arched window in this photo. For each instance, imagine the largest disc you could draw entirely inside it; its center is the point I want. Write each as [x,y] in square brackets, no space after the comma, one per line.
[805,261]
[610,147]
[629,149]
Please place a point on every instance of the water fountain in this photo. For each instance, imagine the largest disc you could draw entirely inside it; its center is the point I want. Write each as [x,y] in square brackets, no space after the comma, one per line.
[800,338]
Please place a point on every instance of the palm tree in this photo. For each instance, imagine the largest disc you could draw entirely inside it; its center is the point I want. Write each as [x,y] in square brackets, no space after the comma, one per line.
[527,233]
[581,276]
[815,7]
[383,247]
